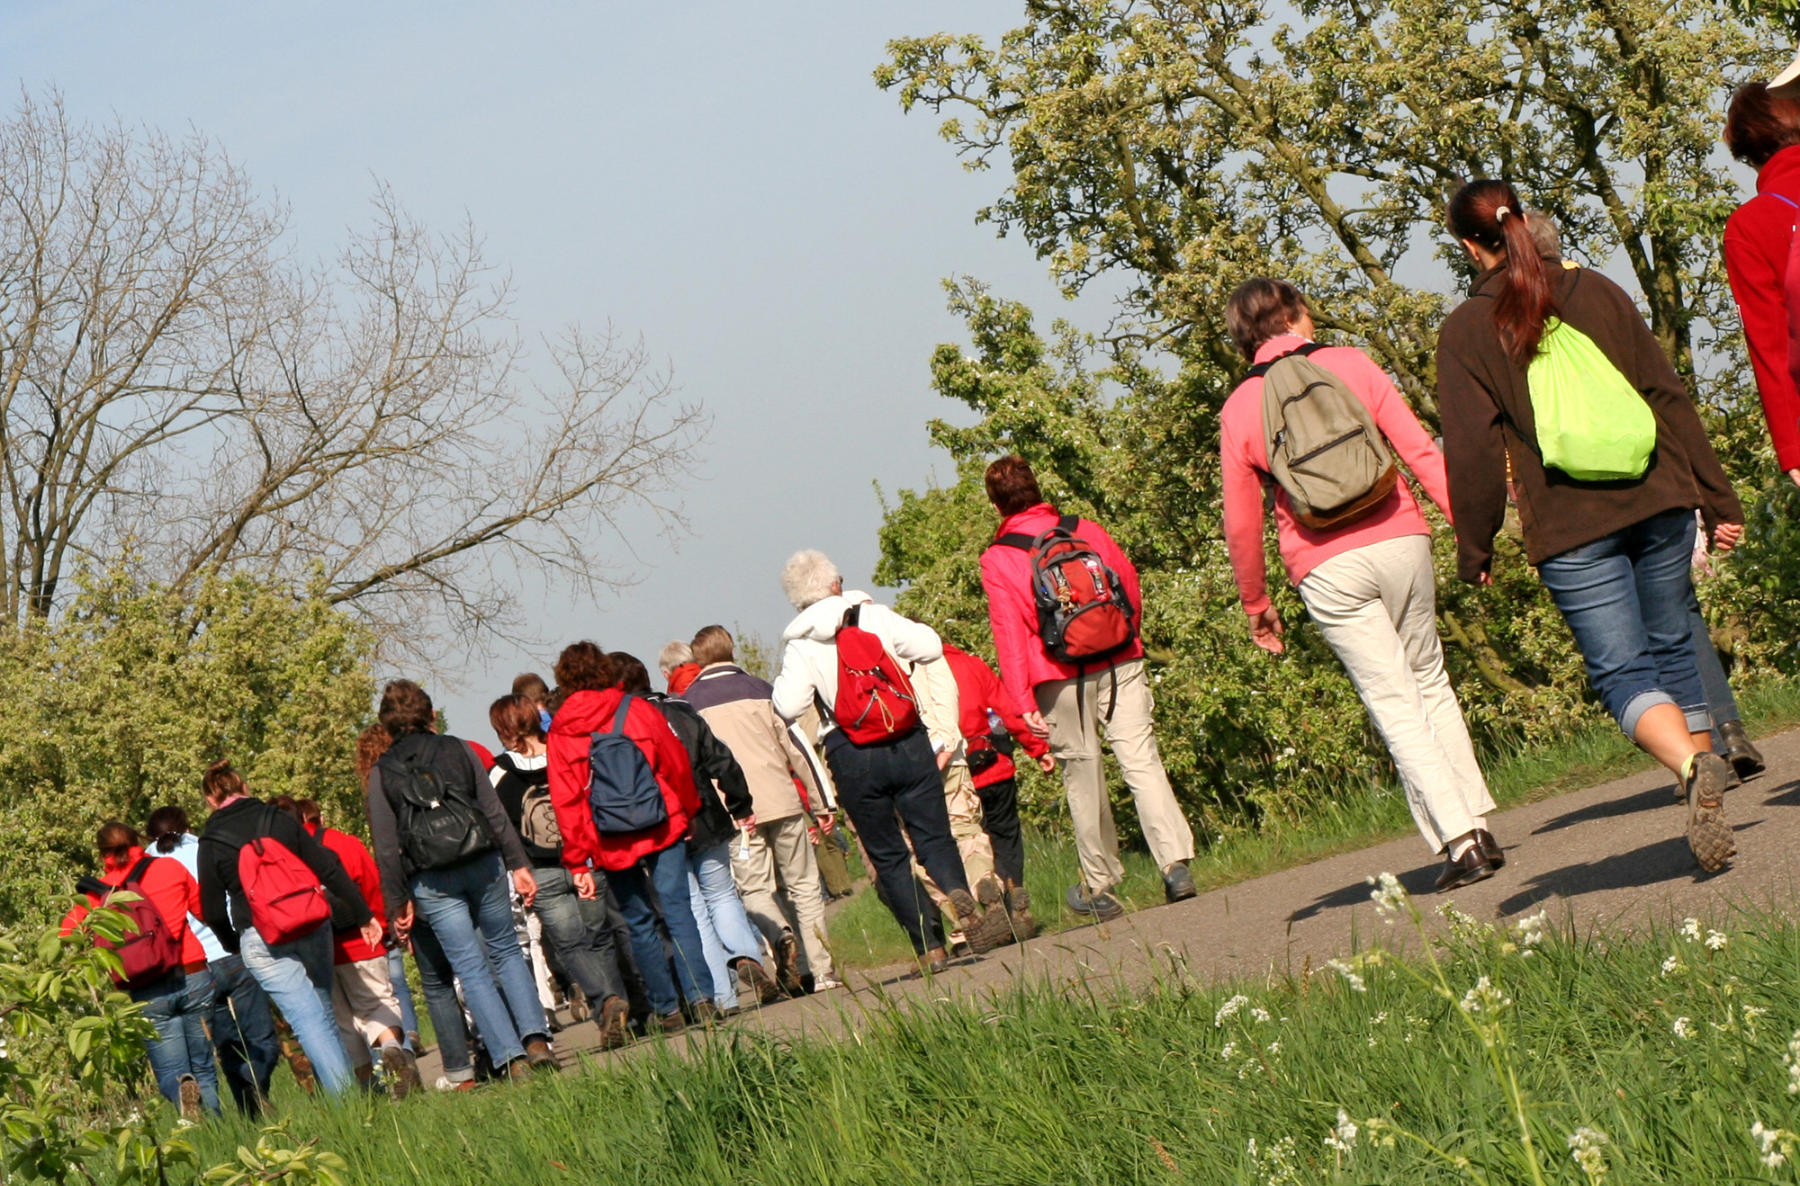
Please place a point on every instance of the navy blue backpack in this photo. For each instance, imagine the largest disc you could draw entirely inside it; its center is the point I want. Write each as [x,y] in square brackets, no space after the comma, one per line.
[622,789]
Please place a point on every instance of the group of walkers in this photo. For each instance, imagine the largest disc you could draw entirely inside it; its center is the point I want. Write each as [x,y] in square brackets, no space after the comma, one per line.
[663,858]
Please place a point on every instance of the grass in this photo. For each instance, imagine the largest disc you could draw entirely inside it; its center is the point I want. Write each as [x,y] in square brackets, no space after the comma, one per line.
[864,934]
[1181,1083]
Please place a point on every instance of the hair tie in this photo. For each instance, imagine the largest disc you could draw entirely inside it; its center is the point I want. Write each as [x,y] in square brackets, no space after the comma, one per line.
[1501,213]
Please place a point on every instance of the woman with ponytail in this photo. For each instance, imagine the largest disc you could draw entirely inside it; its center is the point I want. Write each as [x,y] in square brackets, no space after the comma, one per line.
[1615,553]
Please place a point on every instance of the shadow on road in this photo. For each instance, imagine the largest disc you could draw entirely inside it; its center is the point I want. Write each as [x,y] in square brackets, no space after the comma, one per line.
[1785,795]
[1422,880]
[1607,809]
[1665,860]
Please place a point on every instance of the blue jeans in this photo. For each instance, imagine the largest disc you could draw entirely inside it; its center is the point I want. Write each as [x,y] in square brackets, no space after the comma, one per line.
[1627,600]
[1719,700]
[438,979]
[409,1017]
[470,912]
[177,1005]
[576,930]
[665,875]
[243,1032]
[725,931]
[297,976]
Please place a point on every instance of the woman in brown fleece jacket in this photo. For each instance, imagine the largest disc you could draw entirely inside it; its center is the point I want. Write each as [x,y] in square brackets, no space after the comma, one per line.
[1615,555]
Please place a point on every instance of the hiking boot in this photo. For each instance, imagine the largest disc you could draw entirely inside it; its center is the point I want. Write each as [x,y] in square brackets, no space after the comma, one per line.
[707,1013]
[668,1023]
[1490,848]
[539,1055]
[1102,905]
[191,1103]
[1709,836]
[297,1060]
[968,911]
[1471,867]
[402,1071]
[1178,883]
[787,965]
[755,983]
[615,1023]
[414,1042]
[989,892]
[1018,905]
[1745,758]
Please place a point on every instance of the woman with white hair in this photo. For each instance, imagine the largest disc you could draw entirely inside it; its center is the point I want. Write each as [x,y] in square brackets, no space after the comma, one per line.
[888,784]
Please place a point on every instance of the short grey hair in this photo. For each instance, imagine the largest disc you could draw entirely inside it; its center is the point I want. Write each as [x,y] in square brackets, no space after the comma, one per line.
[673,655]
[809,577]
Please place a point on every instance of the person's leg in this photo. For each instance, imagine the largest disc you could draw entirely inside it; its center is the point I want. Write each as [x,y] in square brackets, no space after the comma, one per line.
[790,842]
[1069,711]
[1720,703]
[512,976]
[539,963]
[637,991]
[1000,816]
[196,1009]
[449,900]
[584,946]
[632,889]
[356,1044]
[168,1050]
[409,1015]
[1662,551]
[1126,705]
[437,982]
[669,873]
[243,1032]
[713,949]
[918,794]
[877,827]
[754,872]
[286,973]
[963,806]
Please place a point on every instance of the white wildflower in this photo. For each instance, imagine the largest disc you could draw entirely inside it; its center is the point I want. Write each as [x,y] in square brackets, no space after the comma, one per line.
[1584,1145]
[1350,975]
[1530,929]
[1229,1009]
[1230,1051]
[1715,940]
[1388,895]
[1274,1047]
[1379,1018]
[1343,1134]
[1690,930]
[1792,1061]
[1672,965]
[1484,998]
[1777,1144]
[1259,1014]
[1683,1027]
[1753,1014]
[184,1123]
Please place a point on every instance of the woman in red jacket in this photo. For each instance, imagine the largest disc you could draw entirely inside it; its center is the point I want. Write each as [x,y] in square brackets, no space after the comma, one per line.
[631,861]
[181,1055]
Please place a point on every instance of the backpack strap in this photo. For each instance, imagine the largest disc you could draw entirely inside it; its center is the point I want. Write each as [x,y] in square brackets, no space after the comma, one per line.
[1301,351]
[618,725]
[137,872]
[1788,200]
[1014,539]
[1068,523]
[852,619]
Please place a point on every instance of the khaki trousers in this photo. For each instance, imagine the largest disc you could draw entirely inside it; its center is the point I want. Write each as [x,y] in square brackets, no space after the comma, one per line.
[966,828]
[1377,608]
[1076,711]
[362,997]
[778,864]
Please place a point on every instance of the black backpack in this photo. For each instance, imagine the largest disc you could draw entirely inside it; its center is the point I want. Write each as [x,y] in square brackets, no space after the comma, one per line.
[428,785]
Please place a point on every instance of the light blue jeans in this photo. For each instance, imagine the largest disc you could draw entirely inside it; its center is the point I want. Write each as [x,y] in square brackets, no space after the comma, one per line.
[297,976]
[469,909]
[725,930]
[178,1005]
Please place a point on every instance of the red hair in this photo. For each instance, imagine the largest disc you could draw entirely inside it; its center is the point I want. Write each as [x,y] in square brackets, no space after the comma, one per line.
[1491,214]
[1011,486]
[1760,123]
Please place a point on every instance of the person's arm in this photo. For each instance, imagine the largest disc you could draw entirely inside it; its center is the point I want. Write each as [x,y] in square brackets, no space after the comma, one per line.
[384,837]
[1758,286]
[939,706]
[994,696]
[794,688]
[568,770]
[72,919]
[1242,488]
[721,765]
[798,766]
[668,757]
[1007,620]
[1475,452]
[912,642]
[512,849]
[323,862]
[215,905]
[1394,417]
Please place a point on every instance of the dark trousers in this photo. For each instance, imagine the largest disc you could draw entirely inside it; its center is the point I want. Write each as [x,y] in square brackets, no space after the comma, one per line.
[1719,700]
[243,1032]
[1000,818]
[887,788]
[577,930]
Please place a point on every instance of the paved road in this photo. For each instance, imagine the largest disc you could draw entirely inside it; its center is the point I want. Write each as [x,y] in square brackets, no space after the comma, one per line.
[1614,853]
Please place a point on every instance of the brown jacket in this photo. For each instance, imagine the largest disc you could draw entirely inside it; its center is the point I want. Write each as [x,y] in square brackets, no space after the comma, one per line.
[736,705]
[1487,417]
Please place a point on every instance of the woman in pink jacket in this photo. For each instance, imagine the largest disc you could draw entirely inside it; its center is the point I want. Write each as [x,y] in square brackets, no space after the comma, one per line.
[1369,584]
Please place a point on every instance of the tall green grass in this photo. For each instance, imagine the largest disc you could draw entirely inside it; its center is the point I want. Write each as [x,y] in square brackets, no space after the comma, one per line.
[1084,1084]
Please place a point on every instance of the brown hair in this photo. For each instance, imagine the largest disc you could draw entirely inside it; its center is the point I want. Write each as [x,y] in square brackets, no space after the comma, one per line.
[713,645]
[115,835]
[371,743]
[289,806]
[584,667]
[311,812]
[221,782]
[531,685]
[1260,309]
[1490,213]
[1011,486]
[515,718]
[1760,123]
[630,672]
[165,826]
[405,708]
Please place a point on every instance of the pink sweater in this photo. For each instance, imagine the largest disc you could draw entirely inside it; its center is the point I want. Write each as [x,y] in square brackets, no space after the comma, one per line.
[1244,463]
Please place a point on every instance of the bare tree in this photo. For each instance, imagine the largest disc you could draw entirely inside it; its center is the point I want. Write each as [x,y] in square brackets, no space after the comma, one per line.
[175,387]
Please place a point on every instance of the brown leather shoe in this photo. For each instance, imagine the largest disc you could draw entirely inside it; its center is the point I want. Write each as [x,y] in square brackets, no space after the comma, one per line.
[615,1023]
[1473,867]
[1490,848]
[539,1056]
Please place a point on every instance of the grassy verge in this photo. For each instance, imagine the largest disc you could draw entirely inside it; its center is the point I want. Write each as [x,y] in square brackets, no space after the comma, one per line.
[1666,1066]
[864,934]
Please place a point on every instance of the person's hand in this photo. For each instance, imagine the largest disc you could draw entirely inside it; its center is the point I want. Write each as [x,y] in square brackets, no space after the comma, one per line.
[1726,536]
[748,823]
[1794,476]
[1265,630]
[1485,580]
[526,886]
[371,933]
[403,925]
[943,759]
[1046,763]
[827,821]
[584,885]
[1035,722]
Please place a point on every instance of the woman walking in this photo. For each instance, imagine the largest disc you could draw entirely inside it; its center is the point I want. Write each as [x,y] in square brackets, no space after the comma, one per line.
[1529,368]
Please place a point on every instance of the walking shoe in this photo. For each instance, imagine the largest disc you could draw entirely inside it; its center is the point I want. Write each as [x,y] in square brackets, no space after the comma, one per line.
[1178,883]
[668,1023]
[539,1055]
[402,1071]
[579,1008]
[707,1012]
[994,929]
[1709,836]
[615,1023]
[1018,905]
[968,911]
[1490,848]
[1102,905]
[415,1042]
[826,983]
[1473,866]
[189,1091]
[1745,758]
[755,983]
[444,1084]
[989,892]
[937,961]
[787,965]
[519,1071]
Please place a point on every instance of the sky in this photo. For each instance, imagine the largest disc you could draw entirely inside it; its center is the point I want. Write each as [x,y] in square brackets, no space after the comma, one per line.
[723,178]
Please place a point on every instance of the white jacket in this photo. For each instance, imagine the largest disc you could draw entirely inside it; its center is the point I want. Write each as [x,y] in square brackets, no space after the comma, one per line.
[809,662]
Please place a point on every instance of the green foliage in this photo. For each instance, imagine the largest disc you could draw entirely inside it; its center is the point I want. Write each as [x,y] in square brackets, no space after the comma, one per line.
[117,707]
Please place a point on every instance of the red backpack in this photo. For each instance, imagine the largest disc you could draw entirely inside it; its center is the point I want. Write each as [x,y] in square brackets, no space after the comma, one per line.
[1083,613]
[875,700]
[287,902]
[154,951]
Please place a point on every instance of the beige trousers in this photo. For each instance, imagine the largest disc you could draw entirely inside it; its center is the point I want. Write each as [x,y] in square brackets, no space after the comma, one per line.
[966,828]
[779,863]
[1076,711]
[362,997]
[1377,608]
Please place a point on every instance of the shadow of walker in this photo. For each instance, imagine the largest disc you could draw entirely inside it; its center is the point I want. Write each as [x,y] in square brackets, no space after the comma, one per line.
[1418,882]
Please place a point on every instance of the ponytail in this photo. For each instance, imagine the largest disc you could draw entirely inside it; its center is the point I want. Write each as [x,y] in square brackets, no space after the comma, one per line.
[1490,213]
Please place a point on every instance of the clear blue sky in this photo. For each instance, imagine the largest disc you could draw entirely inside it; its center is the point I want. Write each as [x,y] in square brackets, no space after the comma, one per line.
[723,177]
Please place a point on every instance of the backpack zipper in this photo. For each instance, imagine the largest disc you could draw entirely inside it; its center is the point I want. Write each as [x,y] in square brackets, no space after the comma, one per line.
[1355,432]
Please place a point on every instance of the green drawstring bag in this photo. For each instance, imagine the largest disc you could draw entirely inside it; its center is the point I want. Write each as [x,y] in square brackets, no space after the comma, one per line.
[1592,424]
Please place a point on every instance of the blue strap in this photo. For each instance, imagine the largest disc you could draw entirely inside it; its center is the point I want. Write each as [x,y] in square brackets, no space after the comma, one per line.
[1789,201]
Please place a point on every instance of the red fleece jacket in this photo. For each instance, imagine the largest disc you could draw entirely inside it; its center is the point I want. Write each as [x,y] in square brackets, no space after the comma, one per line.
[359,863]
[170,888]
[977,690]
[1757,240]
[582,715]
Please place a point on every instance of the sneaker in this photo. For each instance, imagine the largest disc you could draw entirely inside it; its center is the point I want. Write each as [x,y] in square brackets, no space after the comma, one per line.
[755,983]
[1102,905]
[444,1084]
[827,983]
[539,1055]
[615,1023]
[1471,867]
[189,1091]
[1709,836]
[1745,758]
[402,1071]
[1178,883]
[787,965]
[1490,848]
[706,1012]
